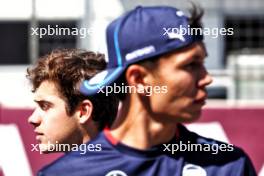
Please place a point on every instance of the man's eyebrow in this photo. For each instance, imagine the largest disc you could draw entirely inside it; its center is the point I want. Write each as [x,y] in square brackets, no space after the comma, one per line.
[200,55]
[42,101]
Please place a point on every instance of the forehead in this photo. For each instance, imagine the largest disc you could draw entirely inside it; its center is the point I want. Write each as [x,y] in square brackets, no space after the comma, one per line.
[197,48]
[194,51]
[46,90]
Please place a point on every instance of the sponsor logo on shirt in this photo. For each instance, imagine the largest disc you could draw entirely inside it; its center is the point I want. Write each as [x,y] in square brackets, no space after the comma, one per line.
[116,173]
[191,170]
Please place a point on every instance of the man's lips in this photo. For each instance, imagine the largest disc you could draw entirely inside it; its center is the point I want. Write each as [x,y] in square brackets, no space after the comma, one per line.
[38,132]
[201,100]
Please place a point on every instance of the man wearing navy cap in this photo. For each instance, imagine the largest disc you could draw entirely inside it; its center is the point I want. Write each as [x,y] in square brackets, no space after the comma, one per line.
[147,51]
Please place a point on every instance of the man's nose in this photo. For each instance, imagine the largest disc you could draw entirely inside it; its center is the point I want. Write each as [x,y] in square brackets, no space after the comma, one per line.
[34,118]
[205,78]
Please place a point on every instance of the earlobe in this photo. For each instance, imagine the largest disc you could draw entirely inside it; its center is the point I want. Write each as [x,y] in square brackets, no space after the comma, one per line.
[86,109]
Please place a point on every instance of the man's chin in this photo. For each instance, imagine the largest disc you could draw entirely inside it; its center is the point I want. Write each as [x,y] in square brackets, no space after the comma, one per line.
[190,118]
[193,119]
[45,152]
[46,149]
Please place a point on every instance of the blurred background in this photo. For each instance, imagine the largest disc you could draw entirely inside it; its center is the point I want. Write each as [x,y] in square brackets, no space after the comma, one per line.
[234,112]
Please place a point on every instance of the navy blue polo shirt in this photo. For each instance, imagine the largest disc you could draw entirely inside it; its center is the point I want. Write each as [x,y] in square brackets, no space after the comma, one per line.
[117,159]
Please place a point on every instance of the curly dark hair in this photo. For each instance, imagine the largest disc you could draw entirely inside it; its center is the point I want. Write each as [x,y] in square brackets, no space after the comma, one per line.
[67,68]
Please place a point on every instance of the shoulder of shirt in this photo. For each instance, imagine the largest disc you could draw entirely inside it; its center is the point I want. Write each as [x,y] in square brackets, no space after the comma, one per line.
[223,157]
[236,153]
[59,165]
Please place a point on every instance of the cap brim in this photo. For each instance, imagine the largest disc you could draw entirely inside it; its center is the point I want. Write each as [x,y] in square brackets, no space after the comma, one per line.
[100,80]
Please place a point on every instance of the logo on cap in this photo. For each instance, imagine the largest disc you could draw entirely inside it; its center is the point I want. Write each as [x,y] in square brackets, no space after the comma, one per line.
[173,35]
[140,52]
[179,13]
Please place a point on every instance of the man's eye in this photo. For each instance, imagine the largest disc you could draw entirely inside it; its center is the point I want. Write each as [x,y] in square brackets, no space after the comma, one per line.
[44,106]
[193,65]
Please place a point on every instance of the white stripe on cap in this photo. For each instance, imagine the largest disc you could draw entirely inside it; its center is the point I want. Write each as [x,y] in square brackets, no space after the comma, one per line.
[97,79]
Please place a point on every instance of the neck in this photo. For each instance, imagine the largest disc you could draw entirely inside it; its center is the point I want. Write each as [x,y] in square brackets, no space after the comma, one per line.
[88,131]
[136,127]
[86,139]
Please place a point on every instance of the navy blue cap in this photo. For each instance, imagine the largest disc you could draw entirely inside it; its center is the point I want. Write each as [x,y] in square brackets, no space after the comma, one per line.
[140,34]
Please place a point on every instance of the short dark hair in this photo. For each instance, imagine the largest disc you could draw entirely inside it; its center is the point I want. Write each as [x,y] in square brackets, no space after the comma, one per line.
[67,68]
[196,14]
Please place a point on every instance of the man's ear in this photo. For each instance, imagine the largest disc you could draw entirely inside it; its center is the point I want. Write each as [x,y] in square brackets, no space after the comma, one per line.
[139,77]
[136,75]
[85,111]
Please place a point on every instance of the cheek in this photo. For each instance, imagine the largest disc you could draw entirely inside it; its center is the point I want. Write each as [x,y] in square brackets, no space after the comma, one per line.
[182,84]
[58,126]
[180,92]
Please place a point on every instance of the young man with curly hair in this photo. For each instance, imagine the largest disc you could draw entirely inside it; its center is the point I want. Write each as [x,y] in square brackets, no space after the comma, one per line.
[63,115]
